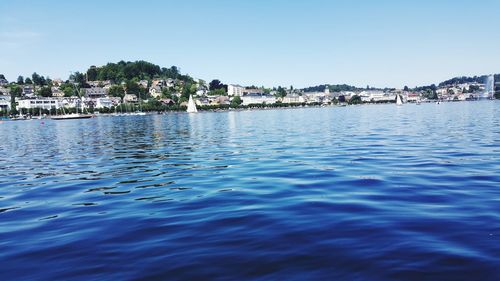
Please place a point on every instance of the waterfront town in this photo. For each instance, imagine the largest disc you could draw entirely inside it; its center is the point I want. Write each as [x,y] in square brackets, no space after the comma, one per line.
[151,88]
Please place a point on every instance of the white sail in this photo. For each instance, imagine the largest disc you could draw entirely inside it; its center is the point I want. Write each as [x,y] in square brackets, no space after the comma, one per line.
[191,105]
[398,100]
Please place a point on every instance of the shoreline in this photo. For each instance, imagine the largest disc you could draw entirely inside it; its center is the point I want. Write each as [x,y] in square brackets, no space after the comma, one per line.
[257,107]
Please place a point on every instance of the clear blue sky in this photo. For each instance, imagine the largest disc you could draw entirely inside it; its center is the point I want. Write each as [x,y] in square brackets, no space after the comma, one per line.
[261,42]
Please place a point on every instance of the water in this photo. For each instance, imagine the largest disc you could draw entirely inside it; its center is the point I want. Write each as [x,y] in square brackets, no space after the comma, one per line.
[358,193]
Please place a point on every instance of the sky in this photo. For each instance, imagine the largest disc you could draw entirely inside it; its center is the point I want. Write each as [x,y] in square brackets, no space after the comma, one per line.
[384,43]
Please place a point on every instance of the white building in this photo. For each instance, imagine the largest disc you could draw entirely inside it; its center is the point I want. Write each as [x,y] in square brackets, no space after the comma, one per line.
[69,102]
[293,99]
[235,90]
[4,103]
[43,103]
[103,103]
[258,99]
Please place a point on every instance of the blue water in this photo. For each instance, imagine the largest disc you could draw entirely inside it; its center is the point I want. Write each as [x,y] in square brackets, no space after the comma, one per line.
[357,193]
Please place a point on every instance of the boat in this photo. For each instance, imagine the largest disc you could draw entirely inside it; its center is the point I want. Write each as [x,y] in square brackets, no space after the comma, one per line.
[191,108]
[398,100]
[72,116]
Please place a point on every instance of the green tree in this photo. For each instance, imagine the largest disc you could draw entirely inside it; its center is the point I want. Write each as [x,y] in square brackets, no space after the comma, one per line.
[236,101]
[45,92]
[116,91]
[68,89]
[28,81]
[355,100]
[92,74]
[37,79]
[216,84]
[20,80]
[132,87]
[15,91]
[218,92]
[79,78]
[281,92]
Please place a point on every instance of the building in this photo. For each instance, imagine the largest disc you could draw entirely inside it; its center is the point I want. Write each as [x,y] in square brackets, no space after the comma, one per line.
[4,103]
[43,103]
[56,92]
[3,82]
[255,98]
[219,100]
[103,103]
[4,91]
[69,102]
[28,91]
[167,102]
[155,91]
[235,90]
[130,98]
[57,82]
[201,91]
[95,93]
[293,98]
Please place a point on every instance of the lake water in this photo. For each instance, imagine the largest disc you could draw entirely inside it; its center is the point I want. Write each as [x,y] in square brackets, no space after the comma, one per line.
[375,192]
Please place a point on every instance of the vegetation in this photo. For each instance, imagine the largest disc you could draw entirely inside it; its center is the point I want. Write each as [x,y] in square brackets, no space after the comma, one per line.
[464,79]
[124,71]
[280,92]
[45,92]
[236,101]
[355,100]
[332,88]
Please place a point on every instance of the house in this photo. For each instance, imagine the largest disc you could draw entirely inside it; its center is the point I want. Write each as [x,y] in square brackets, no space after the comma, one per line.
[143,83]
[235,90]
[28,91]
[3,82]
[57,82]
[95,93]
[167,102]
[99,84]
[56,92]
[155,91]
[201,91]
[115,100]
[43,103]
[4,91]
[4,103]
[130,98]
[413,97]
[69,102]
[219,100]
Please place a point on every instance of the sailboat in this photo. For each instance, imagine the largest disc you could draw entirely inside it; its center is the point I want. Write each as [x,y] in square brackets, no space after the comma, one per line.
[191,105]
[69,116]
[398,100]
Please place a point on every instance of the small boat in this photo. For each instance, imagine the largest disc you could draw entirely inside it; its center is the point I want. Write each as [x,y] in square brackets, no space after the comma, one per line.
[191,108]
[398,100]
[72,116]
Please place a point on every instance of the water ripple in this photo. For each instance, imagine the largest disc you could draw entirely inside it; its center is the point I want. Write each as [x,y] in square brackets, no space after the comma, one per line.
[363,193]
